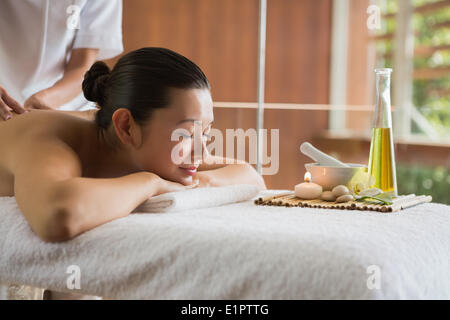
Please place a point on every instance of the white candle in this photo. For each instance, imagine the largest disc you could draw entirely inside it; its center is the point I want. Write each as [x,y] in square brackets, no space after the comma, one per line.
[308,190]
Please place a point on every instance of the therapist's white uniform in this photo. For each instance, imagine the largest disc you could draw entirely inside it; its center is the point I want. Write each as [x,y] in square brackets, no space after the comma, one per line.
[37,36]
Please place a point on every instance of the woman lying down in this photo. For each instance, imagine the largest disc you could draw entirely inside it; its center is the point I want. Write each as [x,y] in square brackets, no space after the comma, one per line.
[71,174]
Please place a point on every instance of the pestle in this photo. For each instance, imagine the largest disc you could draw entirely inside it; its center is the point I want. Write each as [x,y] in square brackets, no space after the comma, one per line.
[320,157]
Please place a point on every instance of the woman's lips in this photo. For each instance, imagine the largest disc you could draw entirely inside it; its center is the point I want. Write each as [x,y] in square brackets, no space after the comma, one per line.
[190,171]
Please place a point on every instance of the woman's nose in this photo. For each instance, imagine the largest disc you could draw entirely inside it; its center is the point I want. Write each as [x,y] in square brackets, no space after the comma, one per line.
[199,151]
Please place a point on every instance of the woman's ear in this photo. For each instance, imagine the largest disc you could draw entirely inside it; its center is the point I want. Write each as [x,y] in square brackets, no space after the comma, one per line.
[127,130]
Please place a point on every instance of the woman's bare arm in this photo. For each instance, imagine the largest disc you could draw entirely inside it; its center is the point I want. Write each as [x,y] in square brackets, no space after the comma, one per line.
[215,171]
[58,203]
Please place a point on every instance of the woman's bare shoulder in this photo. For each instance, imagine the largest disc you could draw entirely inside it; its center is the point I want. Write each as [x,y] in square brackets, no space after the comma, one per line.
[28,131]
[37,121]
[34,116]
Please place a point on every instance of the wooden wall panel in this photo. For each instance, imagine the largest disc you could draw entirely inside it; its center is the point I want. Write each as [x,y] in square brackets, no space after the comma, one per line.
[220,36]
[360,73]
[297,71]
[298,51]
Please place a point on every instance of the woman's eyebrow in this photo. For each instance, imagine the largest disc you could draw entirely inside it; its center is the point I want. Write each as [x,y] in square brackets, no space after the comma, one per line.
[186,120]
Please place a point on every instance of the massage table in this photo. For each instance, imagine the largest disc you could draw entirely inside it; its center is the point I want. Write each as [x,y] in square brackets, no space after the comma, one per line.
[240,251]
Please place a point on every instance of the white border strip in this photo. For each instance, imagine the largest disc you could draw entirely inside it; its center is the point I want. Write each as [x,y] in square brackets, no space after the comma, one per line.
[338,63]
[261,77]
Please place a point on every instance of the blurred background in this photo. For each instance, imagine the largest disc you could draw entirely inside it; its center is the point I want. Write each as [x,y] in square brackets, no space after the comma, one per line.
[319,81]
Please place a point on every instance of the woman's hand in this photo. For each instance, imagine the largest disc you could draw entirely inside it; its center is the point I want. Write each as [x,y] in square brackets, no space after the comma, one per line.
[217,171]
[204,179]
[164,186]
[8,104]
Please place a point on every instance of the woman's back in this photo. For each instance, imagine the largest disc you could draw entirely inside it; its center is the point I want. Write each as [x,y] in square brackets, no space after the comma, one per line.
[29,131]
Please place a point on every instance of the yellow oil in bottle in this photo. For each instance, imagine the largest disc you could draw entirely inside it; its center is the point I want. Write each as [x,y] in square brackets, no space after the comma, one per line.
[381,160]
[381,157]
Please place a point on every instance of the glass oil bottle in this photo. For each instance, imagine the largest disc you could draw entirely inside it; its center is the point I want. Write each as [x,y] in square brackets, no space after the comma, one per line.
[381,158]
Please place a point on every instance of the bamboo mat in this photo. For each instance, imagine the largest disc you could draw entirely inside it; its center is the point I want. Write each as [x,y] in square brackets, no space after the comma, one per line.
[290,200]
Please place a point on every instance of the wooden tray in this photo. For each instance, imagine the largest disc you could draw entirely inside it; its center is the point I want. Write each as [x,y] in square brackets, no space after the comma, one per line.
[290,200]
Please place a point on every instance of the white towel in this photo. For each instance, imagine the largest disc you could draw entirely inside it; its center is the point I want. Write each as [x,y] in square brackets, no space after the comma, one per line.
[240,251]
[198,198]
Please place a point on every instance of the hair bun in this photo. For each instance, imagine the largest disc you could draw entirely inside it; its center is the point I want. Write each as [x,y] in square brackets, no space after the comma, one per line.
[94,83]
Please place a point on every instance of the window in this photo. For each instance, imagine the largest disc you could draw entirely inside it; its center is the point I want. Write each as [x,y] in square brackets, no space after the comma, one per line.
[414,39]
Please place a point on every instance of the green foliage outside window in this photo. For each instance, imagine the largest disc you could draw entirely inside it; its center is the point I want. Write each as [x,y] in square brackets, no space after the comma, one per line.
[431,97]
[424,180]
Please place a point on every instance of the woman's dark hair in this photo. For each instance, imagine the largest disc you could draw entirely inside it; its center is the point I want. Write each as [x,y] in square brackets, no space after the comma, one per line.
[140,82]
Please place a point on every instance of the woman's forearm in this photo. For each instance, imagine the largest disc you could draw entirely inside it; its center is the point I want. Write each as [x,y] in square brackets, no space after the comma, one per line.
[242,173]
[63,91]
[90,202]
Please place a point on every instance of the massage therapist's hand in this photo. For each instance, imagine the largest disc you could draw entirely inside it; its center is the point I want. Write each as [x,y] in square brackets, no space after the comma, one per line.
[8,105]
[37,101]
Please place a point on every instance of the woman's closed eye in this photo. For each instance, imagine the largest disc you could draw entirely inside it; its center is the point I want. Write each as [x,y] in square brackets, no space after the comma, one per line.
[190,136]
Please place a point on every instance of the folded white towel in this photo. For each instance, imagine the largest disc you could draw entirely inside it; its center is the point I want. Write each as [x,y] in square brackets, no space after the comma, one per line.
[198,198]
